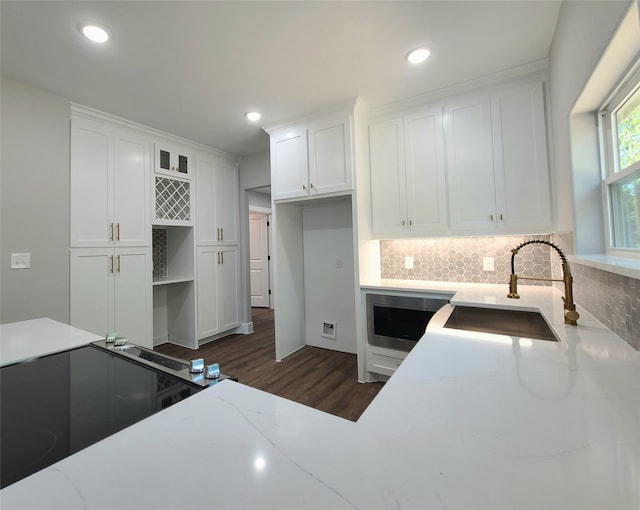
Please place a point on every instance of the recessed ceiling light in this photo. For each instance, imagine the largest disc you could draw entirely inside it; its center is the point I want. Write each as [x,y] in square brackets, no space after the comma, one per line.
[418,55]
[253,116]
[95,33]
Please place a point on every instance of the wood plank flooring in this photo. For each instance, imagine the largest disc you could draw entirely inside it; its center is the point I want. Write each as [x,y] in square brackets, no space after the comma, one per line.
[319,378]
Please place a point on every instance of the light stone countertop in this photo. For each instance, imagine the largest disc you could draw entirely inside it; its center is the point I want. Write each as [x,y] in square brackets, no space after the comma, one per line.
[468,421]
[20,341]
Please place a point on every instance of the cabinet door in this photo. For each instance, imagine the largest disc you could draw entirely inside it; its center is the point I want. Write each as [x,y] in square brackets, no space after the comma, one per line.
[226,201]
[207,292]
[230,289]
[330,168]
[91,183]
[206,224]
[426,181]
[289,164]
[470,165]
[92,289]
[388,178]
[520,159]
[133,295]
[173,159]
[132,189]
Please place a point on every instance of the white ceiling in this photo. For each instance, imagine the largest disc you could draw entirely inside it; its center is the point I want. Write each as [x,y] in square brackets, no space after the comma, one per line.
[194,68]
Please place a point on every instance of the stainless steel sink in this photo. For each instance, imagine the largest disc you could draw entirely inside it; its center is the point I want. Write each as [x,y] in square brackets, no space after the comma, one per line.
[516,323]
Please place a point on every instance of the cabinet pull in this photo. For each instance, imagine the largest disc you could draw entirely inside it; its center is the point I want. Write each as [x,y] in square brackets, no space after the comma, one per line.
[403,224]
[118,231]
[222,257]
[311,186]
[222,233]
[501,218]
[118,263]
[111,232]
[491,217]
[410,223]
[304,187]
[218,255]
[217,234]
[111,263]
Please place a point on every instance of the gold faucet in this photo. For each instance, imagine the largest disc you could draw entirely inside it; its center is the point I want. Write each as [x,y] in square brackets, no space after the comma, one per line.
[571,316]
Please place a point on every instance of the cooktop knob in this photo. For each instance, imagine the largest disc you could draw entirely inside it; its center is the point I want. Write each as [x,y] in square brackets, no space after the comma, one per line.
[196,366]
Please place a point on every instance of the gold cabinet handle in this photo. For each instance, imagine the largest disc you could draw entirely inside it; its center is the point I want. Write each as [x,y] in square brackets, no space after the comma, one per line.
[222,233]
[501,217]
[111,231]
[304,187]
[411,223]
[217,234]
[222,257]
[118,263]
[491,217]
[111,264]
[403,224]
[218,255]
[118,231]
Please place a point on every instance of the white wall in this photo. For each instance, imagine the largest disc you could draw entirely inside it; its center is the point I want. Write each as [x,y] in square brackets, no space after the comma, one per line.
[327,232]
[582,34]
[34,202]
[255,172]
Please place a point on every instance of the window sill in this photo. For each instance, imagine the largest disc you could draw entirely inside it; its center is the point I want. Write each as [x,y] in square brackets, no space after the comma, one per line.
[619,265]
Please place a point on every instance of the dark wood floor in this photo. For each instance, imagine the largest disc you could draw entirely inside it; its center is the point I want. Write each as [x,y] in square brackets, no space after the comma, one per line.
[319,378]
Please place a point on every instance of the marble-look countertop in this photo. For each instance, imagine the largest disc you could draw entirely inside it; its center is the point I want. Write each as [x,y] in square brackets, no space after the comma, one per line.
[468,421]
[20,341]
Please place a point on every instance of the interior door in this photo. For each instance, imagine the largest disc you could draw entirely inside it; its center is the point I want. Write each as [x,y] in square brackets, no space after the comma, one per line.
[259,259]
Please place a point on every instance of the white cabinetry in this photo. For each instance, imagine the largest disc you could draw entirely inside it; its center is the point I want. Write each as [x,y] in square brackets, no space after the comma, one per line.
[497,162]
[408,182]
[218,290]
[173,159]
[312,159]
[110,191]
[520,159]
[384,361]
[111,291]
[217,196]
[477,166]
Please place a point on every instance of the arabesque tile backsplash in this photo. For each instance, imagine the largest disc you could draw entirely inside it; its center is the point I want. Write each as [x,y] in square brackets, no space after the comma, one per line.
[613,299]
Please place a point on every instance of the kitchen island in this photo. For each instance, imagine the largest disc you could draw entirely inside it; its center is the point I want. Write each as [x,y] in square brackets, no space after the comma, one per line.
[468,421]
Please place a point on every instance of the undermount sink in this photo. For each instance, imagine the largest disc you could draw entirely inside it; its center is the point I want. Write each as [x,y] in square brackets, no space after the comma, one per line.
[515,323]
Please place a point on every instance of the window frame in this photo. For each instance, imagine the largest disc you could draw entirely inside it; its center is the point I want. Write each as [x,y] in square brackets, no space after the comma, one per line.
[611,173]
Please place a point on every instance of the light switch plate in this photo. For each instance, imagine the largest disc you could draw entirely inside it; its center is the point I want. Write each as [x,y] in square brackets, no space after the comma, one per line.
[20,260]
[408,262]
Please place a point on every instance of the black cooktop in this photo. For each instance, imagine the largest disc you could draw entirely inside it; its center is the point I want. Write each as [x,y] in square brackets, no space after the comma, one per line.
[56,405]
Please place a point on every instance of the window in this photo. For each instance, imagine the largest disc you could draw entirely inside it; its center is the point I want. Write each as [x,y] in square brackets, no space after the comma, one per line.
[620,139]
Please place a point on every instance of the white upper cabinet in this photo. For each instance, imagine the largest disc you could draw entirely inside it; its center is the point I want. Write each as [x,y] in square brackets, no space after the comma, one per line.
[312,159]
[477,166]
[498,163]
[173,159]
[217,200]
[470,165]
[388,178]
[110,185]
[408,183]
[330,156]
[289,164]
[523,201]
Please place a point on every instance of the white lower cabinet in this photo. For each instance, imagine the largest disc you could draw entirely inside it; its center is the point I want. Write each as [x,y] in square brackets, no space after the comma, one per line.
[111,292]
[384,361]
[218,290]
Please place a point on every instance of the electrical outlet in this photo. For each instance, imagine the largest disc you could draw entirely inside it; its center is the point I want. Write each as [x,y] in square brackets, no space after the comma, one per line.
[339,263]
[408,262]
[488,264]
[20,260]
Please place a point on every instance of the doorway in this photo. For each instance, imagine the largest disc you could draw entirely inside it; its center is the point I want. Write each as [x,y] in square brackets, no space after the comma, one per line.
[260,269]
[259,260]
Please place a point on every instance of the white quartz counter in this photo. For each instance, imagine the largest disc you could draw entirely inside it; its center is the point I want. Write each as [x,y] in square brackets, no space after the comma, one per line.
[24,340]
[469,421]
